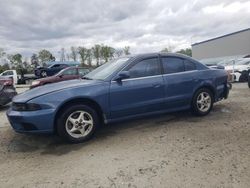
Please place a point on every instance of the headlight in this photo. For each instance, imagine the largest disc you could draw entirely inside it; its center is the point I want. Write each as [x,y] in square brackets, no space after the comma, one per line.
[25,107]
[36,82]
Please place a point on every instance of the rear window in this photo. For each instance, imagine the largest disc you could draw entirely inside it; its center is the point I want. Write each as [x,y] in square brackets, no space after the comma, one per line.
[189,65]
[172,65]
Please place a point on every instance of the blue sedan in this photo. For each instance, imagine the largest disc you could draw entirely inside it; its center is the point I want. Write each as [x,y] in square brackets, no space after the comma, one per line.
[128,87]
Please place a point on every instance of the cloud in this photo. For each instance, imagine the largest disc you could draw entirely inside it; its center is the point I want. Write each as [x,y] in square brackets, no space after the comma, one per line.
[27,26]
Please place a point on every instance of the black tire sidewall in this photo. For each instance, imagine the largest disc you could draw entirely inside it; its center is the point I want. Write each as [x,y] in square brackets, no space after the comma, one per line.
[195,109]
[61,129]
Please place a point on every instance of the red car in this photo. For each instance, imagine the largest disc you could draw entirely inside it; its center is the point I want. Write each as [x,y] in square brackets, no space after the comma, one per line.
[7,90]
[69,73]
[6,81]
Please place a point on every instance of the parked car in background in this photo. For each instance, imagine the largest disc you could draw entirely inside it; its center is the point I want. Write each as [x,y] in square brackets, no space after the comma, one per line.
[69,73]
[128,87]
[7,92]
[42,72]
[6,81]
[249,78]
[10,74]
[239,70]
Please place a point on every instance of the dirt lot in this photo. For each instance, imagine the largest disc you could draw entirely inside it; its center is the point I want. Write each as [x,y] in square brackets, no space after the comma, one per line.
[174,150]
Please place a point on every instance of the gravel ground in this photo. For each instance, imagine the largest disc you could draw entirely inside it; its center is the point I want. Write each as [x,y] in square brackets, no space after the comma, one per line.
[172,150]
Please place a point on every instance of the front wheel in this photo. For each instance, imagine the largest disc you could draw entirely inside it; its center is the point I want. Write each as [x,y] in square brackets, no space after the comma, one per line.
[44,74]
[202,102]
[77,123]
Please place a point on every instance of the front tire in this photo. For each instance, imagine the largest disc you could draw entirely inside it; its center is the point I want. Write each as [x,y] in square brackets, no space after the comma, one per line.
[43,74]
[77,123]
[202,102]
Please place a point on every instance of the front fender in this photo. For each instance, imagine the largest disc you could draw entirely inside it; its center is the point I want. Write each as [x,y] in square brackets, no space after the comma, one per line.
[97,93]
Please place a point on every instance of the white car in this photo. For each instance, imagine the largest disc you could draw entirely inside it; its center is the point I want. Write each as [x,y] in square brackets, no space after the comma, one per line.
[10,74]
[239,70]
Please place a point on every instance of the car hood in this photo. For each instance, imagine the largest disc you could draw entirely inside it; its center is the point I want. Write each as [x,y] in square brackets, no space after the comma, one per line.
[46,78]
[46,89]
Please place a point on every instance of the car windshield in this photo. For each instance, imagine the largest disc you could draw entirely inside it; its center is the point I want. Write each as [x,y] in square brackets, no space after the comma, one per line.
[243,62]
[106,70]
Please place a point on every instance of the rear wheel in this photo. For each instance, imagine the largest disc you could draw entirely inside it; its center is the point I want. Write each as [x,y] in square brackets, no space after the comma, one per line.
[77,123]
[202,102]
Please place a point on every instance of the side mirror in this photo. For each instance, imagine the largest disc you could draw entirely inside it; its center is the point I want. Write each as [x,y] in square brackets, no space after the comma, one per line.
[61,75]
[122,75]
[220,67]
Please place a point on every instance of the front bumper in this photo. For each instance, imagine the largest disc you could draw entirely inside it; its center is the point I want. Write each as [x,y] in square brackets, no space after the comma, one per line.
[40,121]
[227,88]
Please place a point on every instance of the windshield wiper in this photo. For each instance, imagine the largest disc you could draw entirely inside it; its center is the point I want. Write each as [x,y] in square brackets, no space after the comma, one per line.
[86,78]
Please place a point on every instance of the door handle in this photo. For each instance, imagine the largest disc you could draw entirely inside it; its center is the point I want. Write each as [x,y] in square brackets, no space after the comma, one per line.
[157,85]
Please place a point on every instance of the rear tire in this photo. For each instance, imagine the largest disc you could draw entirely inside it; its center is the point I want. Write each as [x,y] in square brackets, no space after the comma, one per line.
[77,123]
[202,102]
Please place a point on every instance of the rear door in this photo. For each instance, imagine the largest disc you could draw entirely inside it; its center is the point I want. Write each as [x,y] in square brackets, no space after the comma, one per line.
[141,93]
[179,81]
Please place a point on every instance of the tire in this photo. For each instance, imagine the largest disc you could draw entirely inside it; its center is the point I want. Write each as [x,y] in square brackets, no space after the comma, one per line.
[202,107]
[74,129]
[243,76]
[248,82]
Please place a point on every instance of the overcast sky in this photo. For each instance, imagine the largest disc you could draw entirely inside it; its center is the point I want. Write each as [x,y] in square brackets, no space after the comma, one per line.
[26,26]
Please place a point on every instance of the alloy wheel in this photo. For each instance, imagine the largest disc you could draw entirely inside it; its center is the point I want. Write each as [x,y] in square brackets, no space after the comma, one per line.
[79,124]
[204,101]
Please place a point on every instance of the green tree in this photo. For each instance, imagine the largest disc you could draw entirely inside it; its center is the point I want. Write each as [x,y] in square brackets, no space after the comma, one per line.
[89,57]
[187,51]
[34,60]
[73,53]
[4,67]
[96,50]
[16,61]
[118,52]
[126,50]
[166,50]
[45,56]
[107,53]
[83,52]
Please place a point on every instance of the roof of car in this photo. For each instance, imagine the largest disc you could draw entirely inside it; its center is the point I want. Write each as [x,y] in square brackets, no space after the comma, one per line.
[160,53]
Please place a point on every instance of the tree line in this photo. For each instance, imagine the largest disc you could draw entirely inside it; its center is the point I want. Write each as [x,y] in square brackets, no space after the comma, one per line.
[88,57]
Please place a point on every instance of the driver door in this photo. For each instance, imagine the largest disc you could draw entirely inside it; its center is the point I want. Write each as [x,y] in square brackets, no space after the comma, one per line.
[142,92]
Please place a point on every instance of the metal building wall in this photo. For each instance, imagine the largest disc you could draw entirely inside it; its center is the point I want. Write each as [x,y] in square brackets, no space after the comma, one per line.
[237,43]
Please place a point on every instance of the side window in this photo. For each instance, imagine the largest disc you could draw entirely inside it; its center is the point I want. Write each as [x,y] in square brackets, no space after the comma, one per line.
[147,67]
[55,66]
[63,66]
[172,65]
[69,72]
[7,73]
[82,72]
[189,65]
